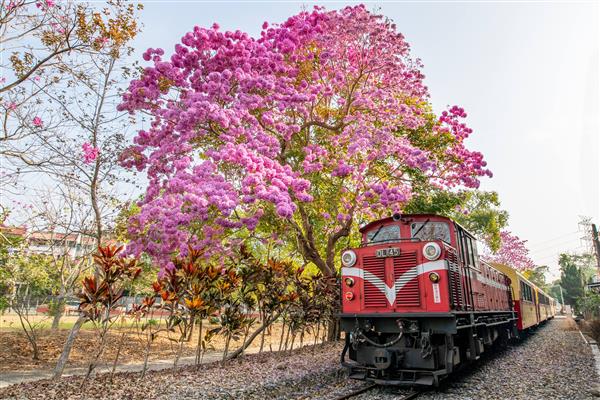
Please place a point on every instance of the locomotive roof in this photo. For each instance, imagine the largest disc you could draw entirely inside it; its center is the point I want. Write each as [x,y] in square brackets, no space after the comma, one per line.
[391,219]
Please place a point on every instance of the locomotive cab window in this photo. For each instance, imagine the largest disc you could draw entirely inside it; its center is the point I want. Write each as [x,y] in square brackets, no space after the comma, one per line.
[430,231]
[384,233]
[468,249]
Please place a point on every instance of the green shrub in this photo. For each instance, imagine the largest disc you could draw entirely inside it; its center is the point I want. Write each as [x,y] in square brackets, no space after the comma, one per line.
[589,305]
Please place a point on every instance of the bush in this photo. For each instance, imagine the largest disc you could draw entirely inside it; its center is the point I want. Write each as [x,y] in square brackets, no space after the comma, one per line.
[595,329]
[589,305]
[4,303]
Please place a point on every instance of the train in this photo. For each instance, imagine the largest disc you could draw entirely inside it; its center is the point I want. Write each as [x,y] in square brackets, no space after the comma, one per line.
[418,302]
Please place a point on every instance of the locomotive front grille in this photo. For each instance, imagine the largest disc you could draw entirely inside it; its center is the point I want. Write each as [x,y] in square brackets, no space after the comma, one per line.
[406,280]
[374,293]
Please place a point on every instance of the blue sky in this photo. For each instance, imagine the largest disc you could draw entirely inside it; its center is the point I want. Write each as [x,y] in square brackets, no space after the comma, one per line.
[526,73]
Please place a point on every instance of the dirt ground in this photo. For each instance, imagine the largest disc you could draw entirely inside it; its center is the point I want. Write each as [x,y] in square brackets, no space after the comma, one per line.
[16,351]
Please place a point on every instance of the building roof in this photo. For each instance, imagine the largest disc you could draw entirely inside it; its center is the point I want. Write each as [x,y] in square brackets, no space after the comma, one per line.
[44,236]
[13,230]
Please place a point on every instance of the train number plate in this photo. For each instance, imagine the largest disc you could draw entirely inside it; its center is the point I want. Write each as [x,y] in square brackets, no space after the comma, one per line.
[391,252]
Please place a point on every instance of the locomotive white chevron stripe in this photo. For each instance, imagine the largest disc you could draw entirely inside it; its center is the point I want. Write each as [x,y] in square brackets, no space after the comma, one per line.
[392,292]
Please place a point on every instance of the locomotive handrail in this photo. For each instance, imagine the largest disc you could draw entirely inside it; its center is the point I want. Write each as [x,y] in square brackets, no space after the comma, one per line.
[392,241]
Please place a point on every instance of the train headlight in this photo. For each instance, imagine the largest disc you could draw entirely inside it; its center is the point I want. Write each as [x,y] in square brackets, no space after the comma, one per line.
[349,296]
[432,251]
[349,282]
[434,277]
[348,258]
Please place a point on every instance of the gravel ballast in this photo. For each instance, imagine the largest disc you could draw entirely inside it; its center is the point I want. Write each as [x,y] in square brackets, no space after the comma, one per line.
[554,363]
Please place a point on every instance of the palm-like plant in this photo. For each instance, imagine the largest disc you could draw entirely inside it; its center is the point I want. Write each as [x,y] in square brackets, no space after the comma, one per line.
[101,292]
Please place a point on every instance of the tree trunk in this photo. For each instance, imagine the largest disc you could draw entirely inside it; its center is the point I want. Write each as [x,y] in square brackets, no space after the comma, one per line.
[114,367]
[64,356]
[292,344]
[287,336]
[226,349]
[281,337]
[262,341]
[199,342]
[94,362]
[59,311]
[246,333]
[98,162]
[36,350]
[56,321]
[191,330]
[181,340]
[146,355]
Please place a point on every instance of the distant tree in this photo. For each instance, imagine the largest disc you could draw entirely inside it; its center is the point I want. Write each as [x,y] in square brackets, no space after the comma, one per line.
[64,214]
[571,278]
[587,263]
[8,243]
[29,281]
[478,211]
[537,276]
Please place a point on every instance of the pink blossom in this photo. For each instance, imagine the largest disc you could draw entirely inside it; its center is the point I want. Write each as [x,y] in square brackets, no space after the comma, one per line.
[37,121]
[45,4]
[90,153]
[101,41]
[512,252]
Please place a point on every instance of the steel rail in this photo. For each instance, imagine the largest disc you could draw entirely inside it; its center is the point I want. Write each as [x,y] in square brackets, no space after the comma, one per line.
[357,392]
[362,390]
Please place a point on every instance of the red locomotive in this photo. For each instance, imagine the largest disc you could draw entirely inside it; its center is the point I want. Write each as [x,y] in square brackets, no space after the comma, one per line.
[417,301]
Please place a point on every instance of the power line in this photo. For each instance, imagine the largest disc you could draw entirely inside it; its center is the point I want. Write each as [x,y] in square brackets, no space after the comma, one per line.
[560,244]
[551,240]
[559,253]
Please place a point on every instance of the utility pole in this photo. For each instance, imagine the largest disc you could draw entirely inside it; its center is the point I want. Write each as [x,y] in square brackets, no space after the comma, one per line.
[596,245]
[562,300]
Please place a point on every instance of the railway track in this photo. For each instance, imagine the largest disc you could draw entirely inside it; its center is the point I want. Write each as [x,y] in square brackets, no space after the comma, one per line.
[364,389]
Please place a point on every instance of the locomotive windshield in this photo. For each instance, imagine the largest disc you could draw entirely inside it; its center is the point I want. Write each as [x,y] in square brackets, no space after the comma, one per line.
[431,231]
[384,233]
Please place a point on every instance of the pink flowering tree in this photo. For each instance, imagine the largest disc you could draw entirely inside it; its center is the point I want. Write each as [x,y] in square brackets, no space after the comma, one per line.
[321,122]
[58,91]
[513,252]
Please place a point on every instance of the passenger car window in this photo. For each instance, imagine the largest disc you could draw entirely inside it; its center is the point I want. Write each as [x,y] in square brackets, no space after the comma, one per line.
[386,233]
[431,231]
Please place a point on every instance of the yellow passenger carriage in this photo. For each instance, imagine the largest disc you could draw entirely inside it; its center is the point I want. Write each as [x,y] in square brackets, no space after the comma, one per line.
[532,304]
